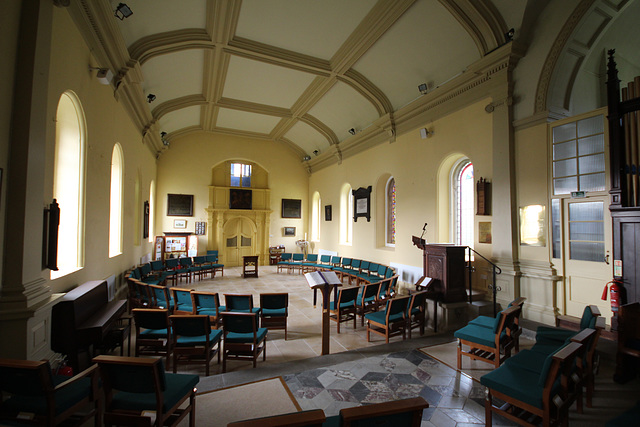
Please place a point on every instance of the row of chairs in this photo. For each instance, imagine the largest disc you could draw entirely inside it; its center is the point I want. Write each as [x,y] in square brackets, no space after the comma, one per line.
[542,383]
[400,314]
[190,338]
[356,271]
[175,269]
[272,312]
[115,390]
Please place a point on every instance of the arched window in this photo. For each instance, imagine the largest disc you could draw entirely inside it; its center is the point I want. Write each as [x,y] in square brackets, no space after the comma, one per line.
[346,215]
[152,209]
[463,198]
[315,217]
[390,212]
[115,201]
[68,183]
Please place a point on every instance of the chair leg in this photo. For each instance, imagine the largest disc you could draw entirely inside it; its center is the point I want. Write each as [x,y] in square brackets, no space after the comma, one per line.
[460,355]
[192,412]
[488,413]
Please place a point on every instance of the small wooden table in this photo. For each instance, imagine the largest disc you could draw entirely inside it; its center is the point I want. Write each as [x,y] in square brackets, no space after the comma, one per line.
[250,266]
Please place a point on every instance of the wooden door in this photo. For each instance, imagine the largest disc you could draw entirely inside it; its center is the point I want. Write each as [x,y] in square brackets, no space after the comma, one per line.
[239,238]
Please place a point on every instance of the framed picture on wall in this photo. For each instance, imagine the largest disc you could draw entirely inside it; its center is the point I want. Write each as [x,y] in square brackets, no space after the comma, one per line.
[291,208]
[362,203]
[179,223]
[327,213]
[145,220]
[240,199]
[288,231]
[179,204]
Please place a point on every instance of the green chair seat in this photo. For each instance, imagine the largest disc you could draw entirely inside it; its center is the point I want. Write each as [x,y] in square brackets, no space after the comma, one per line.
[176,387]
[516,382]
[348,304]
[381,317]
[239,337]
[187,341]
[153,333]
[477,334]
[65,398]
[274,311]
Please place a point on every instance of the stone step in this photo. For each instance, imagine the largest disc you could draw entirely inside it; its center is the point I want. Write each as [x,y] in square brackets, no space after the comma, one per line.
[480,308]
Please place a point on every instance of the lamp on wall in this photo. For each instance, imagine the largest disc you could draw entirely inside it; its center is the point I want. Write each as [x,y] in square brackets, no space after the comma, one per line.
[104,75]
[306,158]
[150,98]
[163,137]
[123,11]
[352,131]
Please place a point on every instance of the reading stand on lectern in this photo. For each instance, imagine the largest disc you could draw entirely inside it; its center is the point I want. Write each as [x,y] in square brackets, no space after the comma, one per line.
[325,281]
[442,273]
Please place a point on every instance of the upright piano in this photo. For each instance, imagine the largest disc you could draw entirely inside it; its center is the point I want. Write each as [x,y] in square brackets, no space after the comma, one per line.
[81,320]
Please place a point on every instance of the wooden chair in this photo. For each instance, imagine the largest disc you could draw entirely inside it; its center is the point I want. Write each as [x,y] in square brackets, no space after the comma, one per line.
[416,312]
[193,339]
[274,311]
[153,332]
[628,354]
[310,418]
[391,321]
[138,392]
[182,301]
[367,300]
[208,303]
[241,303]
[242,338]
[31,395]
[488,322]
[161,298]
[546,334]
[490,345]
[344,308]
[284,263]
[404,412]
[544,395]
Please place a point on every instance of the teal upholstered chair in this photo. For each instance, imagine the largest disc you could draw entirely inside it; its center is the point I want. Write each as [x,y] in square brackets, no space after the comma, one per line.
[367,300]
[194,340]
[240,303]
[392,321]
[161,297]
[549,335]
[544,394]
[403,412]
[31,395]
[208,303]
[203,267]
[138,391]
[492,345]
[489,322]
[243,340]
[353,271]
[344,308]
[212,261]
[153,332]
[416,312]
[324,263]
[284,263]
[187,269]
[182,301]
[213,253]
[296,262]
[310,263]
[344,268]
[274,311]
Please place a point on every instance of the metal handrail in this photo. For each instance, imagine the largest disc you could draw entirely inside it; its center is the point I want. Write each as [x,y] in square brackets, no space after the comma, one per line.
[495,269]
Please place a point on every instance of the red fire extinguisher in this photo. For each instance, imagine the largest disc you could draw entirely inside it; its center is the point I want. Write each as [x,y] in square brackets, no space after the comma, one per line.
[615,295]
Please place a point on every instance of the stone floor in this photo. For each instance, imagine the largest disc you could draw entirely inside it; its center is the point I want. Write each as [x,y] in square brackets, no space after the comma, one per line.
[357,372]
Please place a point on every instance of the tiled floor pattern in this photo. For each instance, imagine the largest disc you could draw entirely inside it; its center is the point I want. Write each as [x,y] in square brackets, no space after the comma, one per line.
[453,397]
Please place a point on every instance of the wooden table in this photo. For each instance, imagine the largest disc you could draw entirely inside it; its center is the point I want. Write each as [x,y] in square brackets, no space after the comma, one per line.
[250,266]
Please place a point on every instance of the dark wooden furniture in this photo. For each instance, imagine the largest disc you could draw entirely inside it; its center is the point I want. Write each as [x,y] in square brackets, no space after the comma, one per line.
[82,320]
[628,355]
[250,266]
[625,200]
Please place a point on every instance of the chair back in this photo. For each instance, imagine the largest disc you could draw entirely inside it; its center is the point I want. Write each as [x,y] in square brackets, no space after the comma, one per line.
[240,323]
[205,301]
[238,302]
[193,325]
[373,268]
[382,270]
[312,257]
[396,308]
[212,259]
[141,375]
[286,256]
[25,377]
[151,318]
[172,263]
[157,265]
[384,288]
[274,301]
[364,266]
[185,262]
[199,259]
[135,273]
[182,299]
[370,291]
[213,253]
[145,269]
[417,301]
[161,296]
[325,259]
[346,262]
[348,295]
[393,284]
[297,257]
[336,260]
[355,264]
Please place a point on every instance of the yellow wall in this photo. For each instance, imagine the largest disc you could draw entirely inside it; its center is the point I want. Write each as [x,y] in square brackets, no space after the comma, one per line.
[414,163]
[106,123]
[186,168]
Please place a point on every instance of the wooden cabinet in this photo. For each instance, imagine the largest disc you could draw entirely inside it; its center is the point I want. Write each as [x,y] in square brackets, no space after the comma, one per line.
[444,264]
[626,244]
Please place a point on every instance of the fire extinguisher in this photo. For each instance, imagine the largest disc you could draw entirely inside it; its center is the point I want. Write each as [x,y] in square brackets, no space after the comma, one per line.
[615,295]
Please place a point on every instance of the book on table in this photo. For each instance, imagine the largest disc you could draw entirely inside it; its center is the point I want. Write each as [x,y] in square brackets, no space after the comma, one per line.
[320,278]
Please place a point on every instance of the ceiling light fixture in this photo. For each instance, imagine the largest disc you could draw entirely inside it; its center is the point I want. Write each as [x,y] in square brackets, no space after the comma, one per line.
[509,35]
[423,88]
[123,11]
[352,131]
[306,158]
[163,137]
[150,98]
[316,152]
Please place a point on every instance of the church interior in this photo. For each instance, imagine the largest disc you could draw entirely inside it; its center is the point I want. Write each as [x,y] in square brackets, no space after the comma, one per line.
[483,152]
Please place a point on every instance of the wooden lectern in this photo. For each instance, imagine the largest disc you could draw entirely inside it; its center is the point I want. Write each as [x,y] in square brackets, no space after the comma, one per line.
[444,265]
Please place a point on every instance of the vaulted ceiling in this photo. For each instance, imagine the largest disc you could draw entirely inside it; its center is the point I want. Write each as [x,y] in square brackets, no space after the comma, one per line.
[301,72]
